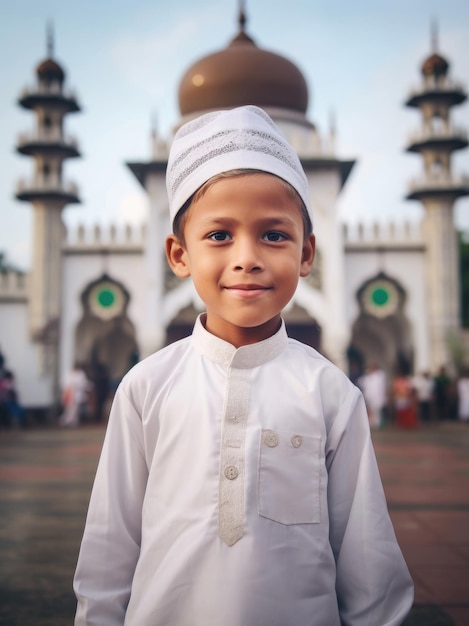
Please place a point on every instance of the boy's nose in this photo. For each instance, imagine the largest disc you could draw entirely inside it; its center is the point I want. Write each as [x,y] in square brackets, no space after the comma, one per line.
[247,257]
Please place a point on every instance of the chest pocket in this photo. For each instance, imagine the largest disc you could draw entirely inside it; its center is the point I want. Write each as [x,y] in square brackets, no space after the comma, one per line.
[289,473]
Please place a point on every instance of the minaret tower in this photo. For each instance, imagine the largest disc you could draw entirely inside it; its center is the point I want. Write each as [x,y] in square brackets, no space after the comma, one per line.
[48,193]
[438,189]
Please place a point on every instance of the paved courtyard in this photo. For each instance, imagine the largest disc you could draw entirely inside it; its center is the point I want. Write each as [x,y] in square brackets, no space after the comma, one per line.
[45,481]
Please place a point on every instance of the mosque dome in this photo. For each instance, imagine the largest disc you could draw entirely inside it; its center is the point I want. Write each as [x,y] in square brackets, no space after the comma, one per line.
[435,65]
[50,70]
[242,73]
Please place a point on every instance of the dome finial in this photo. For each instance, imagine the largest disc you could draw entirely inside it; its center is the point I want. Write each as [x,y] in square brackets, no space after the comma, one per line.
[242,16]
[50,40]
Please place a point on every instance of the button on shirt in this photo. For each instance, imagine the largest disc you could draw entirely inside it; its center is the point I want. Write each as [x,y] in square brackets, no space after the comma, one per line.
[239,487]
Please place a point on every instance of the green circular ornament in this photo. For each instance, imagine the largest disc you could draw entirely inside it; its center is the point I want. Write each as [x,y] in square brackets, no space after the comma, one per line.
[380,296]
[106,298]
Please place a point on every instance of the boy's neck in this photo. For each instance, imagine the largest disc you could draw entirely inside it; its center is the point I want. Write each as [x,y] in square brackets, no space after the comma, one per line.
[239,336]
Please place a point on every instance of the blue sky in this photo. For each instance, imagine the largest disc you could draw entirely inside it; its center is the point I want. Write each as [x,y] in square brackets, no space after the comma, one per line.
[125,60]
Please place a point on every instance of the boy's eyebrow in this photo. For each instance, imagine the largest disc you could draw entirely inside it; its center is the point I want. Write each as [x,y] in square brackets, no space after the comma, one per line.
[264,221]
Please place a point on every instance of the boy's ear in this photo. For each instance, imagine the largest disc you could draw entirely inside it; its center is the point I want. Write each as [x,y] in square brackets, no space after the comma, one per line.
[307,255]
[177,257]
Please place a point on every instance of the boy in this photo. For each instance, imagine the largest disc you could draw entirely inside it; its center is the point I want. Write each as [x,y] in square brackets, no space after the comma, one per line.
[237,484]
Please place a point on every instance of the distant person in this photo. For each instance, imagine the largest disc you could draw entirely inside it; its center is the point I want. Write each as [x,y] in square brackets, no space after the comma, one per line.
[74,396]
[404,400]
[373,386]
[423,385]
[237,484]
[442,394]
[14,410]
[4,416]
[101,387]
[463,396]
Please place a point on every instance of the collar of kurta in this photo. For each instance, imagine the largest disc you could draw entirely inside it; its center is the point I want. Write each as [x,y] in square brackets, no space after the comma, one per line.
[245,357]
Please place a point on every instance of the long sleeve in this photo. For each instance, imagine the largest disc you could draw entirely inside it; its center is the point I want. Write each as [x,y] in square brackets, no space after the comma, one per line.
[111,542]
[373,583]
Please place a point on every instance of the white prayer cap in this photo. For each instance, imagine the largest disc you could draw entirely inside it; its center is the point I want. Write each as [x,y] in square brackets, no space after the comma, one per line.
[241,138]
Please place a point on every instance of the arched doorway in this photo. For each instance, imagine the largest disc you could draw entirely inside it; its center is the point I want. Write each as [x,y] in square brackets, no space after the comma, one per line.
[381,333]
[181,326]
[105,337]
[301,326]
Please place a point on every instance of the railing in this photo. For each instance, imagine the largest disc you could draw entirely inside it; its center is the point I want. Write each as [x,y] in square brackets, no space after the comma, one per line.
[441,182]
[52,89]
[42,186]
[429,134]
[47,137]
[444,84]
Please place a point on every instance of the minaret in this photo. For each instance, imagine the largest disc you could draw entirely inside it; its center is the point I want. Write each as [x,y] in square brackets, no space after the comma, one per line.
[48,193]
[438,189]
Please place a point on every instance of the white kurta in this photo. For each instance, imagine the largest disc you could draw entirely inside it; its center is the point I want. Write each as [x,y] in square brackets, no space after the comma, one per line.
[239,487]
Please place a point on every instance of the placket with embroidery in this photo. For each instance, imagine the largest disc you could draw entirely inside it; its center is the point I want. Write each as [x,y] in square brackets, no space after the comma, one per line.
[232,458]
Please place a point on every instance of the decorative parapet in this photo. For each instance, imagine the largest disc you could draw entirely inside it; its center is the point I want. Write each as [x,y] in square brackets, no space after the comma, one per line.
[110,238]
[14,286]
[383,235]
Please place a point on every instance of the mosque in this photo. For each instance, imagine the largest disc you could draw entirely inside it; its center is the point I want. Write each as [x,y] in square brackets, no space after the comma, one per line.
[384,294]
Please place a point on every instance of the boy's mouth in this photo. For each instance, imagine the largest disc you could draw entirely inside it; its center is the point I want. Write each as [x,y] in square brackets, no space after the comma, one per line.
[247,290]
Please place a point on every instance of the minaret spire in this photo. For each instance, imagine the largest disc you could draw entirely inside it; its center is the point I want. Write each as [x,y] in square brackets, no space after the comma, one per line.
[434,36]
[332,129]
[50,40]
[154,123]
[332,120]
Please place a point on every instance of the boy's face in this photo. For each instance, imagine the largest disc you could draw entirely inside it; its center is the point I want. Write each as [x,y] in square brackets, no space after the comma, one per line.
[245,249]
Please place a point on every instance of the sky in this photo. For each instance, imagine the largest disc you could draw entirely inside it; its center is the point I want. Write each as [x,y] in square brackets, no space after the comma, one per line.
[125,61]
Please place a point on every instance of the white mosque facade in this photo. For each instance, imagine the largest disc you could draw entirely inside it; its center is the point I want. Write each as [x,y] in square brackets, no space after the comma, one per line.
[387,294]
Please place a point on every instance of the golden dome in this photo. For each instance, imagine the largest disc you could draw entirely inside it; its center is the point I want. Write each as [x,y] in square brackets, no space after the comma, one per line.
[242,74]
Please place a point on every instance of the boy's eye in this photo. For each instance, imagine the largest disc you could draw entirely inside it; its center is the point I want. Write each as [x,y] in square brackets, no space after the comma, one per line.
[273,235]
[219,235]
